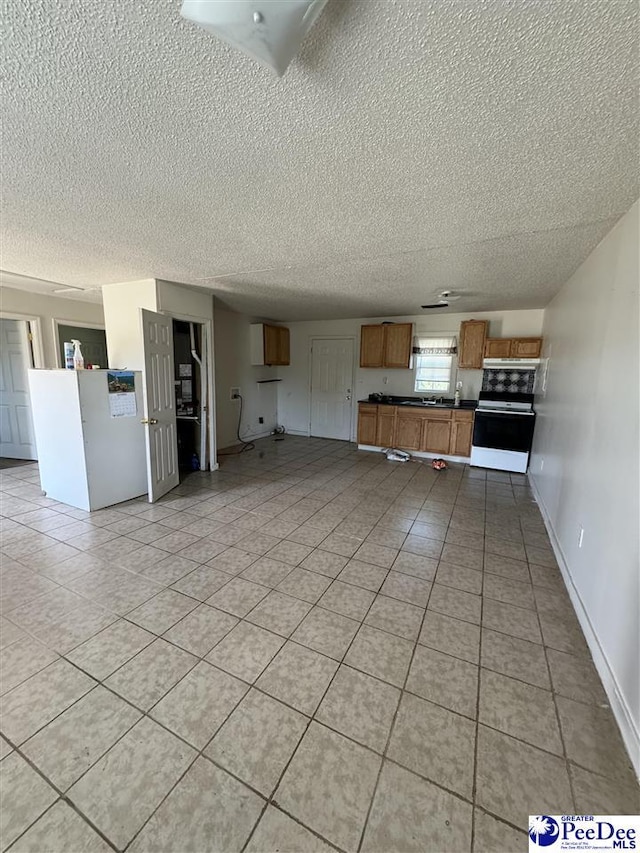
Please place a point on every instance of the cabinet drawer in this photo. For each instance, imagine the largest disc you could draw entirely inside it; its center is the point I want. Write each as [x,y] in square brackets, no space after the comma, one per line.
[466,415]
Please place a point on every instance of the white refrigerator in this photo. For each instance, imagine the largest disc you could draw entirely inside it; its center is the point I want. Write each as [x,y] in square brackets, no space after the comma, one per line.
[89,439]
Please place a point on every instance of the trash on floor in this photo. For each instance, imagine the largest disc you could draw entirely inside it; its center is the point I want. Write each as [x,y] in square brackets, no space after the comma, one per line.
[396,455]
[439,465]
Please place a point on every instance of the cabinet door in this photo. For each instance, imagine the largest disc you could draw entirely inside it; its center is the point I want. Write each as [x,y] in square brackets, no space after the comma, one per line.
[461,432]
[372,346]
[271,337]
[398,341]
[436,436]
[497,348]
[408,434]
[471,344]
[283,345]
[386,426]
[526,347]
[367,421]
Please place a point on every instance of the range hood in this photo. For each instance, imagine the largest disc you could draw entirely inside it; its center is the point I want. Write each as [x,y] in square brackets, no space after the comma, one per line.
[519,363]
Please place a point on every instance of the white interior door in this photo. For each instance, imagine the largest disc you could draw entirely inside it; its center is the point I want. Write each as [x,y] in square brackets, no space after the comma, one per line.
[331,388]
[159,404]
[16,427]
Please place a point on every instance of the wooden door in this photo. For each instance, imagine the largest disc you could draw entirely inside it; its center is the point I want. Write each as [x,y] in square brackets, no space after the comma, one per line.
[398,340]
[271,344]
[367,421]
[471,344]
[408,432]
[386,426]
[372,346]
[331,388]
[17,439]
[497,348]
[461,433]
[436,435]
[526,348]
[159,404]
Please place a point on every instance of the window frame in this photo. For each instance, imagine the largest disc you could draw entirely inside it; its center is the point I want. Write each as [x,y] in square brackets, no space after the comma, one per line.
[437,392]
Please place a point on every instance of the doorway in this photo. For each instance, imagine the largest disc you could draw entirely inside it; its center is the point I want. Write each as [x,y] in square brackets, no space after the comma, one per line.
[331,387]
[17,439]
[190,389]
[93,342]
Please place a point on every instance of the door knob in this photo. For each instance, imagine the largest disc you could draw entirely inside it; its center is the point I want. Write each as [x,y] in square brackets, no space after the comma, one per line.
[149,421]
[348,397]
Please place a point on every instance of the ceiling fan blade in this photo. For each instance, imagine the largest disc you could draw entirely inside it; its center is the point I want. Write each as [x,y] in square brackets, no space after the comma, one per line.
[436,305]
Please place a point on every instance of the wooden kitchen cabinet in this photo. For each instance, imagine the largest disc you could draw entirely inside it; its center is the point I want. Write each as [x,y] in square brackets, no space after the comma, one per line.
[385,429]
[526,347]
[269,344]
[471,344]
[442,431]
[408,431]
[436,435]
[497,348]
[386,345]
[513,347]
[367,424]
[372,346]
[461,433]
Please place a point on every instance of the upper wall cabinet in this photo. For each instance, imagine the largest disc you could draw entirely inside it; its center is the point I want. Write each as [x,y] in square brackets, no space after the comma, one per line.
[497,348]
[386,345]
[269,344]
[471,344]
[513,347]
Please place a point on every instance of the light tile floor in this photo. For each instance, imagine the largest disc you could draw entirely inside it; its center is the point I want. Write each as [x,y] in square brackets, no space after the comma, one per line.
[310,649]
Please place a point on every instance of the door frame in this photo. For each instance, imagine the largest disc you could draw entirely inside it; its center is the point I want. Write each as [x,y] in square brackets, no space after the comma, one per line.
[352,338]
[60,321]
[206,342]
[35,327]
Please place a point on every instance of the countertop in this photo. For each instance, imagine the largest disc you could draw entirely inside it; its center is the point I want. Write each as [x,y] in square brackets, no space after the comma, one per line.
[415,403]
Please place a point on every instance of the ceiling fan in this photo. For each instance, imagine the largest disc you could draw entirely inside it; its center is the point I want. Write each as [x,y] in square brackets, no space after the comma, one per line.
[443,299]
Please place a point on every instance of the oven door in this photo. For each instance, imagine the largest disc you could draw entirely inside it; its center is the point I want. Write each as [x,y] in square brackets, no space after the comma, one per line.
[504,430]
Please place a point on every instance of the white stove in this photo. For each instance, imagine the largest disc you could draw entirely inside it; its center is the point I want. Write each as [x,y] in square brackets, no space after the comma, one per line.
[503,431]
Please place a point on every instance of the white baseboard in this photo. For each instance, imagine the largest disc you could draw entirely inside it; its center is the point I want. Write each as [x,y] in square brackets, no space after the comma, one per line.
[303,432]
[420,453]
[621,711]
[256,435]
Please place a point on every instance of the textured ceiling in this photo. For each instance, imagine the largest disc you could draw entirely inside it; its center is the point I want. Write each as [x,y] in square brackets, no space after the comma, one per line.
[412,146]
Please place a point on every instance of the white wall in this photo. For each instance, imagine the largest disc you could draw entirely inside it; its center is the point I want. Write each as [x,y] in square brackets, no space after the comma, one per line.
[293,391]
[48,309]
[233,369]
[587,436]
[122,320]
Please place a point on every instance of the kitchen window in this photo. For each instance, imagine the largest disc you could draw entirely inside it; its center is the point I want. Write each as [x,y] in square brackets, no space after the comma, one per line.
[434,363]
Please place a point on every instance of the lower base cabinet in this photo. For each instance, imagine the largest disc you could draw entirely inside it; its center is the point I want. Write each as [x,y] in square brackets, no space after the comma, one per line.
[461,435]
[436,436]
[446,431]
[367,424]
[385,427]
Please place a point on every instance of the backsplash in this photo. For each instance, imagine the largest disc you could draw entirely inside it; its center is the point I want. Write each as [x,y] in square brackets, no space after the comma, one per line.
[511,381]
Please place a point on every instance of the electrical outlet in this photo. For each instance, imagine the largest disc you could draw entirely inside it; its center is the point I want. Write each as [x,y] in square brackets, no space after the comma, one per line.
[260,420]
[580,536]
[234,393]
